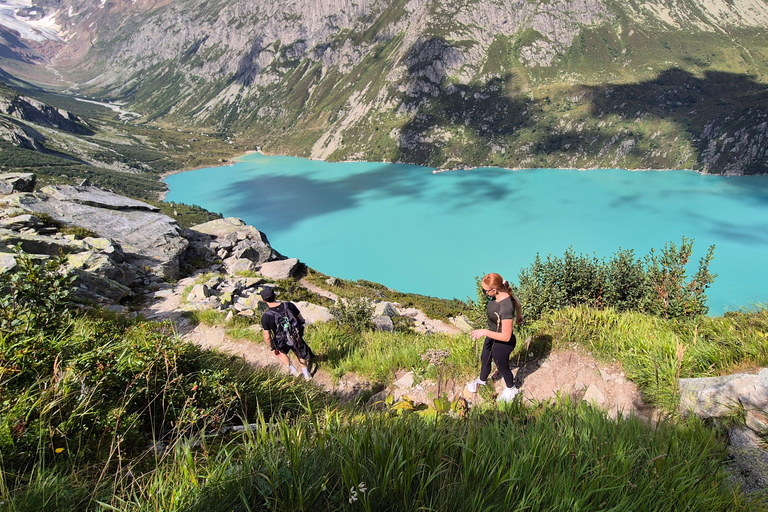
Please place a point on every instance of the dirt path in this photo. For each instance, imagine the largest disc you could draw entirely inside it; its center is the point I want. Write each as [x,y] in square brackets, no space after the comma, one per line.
[569,372]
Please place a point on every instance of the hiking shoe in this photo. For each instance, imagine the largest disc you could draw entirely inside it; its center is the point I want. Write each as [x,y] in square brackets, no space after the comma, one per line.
[508,394]
[472,386]
[292,370]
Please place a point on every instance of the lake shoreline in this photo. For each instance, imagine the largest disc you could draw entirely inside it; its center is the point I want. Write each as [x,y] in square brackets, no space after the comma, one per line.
[234,160]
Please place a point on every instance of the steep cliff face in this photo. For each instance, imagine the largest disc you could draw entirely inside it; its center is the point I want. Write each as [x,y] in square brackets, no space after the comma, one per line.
[567,83]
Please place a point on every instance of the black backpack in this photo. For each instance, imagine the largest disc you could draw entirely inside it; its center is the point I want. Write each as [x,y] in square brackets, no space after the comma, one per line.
[286,326]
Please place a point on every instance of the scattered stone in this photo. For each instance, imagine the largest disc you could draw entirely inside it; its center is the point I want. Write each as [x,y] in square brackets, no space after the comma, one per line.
[715,397]
[385,309]
[313,313]
[462,323]
[199,292]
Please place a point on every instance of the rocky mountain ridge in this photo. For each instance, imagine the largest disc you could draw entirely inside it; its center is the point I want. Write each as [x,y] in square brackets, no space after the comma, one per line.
[570,83]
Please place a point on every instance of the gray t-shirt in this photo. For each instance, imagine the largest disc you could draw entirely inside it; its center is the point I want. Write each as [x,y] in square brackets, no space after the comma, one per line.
[497,311]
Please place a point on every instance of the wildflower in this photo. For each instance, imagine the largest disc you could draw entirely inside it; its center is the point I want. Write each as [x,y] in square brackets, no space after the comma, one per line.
[353,491]
[59,450]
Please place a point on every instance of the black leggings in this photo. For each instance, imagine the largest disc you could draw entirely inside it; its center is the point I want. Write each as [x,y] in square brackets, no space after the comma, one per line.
[499,351]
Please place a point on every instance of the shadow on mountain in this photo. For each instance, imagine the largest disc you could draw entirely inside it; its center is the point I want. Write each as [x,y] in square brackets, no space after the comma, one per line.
[490,112]
[724,116]
[12,48]
[247,68]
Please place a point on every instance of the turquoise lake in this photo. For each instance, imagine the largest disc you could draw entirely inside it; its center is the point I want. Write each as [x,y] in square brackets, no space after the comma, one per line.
[431,233]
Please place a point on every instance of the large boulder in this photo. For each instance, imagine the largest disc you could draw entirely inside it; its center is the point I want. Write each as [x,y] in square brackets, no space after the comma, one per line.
[149,240]
[234,242]
[714,397]
[313,313]
[280,269]
[37,244]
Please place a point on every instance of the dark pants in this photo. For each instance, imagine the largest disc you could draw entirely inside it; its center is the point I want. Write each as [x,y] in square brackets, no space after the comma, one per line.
[499,352]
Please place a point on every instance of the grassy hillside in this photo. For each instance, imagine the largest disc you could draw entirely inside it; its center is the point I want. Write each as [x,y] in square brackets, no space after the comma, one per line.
[126,157]
[99,412]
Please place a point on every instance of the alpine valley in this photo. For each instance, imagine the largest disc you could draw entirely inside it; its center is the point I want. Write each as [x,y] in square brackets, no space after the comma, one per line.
[451,84]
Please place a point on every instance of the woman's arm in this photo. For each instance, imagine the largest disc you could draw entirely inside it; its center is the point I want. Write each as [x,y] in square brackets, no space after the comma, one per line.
[504,335]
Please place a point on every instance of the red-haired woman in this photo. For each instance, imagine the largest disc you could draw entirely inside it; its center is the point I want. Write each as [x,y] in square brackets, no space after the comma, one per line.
[503,311]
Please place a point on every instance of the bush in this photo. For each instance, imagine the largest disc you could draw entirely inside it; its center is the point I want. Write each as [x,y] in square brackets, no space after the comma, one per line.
[34,296]
[657,284]
[353,313]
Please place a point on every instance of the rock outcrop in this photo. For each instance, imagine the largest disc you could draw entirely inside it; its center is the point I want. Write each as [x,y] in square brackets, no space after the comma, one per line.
[116,246]
[729,396]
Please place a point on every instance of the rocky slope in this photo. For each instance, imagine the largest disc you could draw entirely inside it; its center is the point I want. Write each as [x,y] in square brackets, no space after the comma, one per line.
[570,83]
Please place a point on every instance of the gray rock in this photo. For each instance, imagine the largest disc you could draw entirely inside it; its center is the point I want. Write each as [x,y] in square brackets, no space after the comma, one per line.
[235,265]
[254,250]
[383,323]
[199,292]
[385,309]
[38,244]
[231,229]
[96,197]
[7,262]
[17,182]
[102,265]
[149,240]
[462,322]
[281,269]
[91,288]
[20,222]
[714,397]
[748,464]
[313,313]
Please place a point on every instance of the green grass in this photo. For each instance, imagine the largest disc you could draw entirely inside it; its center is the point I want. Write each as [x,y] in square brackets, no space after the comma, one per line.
[655,353]
[557,457]
[432,306]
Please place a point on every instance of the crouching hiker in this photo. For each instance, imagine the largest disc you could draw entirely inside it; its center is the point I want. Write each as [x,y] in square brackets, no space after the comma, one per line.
[284,332]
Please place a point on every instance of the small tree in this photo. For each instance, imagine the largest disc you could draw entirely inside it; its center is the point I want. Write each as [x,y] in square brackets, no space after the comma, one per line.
[36,295]
[670,295]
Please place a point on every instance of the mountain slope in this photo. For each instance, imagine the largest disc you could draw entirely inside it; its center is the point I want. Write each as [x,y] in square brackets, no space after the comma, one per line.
[566,83]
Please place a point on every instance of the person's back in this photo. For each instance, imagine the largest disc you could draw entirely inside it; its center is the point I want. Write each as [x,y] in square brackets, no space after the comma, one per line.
[284,332]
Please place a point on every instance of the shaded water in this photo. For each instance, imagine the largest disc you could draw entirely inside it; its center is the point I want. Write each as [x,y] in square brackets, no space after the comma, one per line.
[432,233]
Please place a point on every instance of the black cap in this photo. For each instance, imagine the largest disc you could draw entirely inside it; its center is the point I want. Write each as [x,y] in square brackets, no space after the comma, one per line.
[267,294]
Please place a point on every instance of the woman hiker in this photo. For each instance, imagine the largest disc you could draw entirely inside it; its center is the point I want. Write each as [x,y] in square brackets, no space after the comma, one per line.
[284,332]
[502,311]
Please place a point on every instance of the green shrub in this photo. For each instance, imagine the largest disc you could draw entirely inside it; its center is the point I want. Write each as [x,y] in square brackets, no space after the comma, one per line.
[657,284]
[353,313]
[35,295]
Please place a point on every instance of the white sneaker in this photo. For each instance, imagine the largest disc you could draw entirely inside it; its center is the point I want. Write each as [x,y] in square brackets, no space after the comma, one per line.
[292,370]
[472,386]
[306,374]
[508,394]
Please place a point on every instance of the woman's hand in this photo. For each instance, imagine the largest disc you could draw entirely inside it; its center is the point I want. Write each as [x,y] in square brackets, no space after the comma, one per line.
[478,333]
